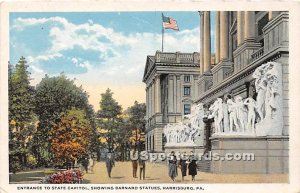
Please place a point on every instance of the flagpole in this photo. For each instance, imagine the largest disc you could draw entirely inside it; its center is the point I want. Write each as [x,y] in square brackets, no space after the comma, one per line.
[162,38]
[162,35]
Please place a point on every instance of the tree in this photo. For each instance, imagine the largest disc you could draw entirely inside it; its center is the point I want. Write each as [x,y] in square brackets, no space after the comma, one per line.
[21,113]
[109,118]
[54,96]
[21,101]
[71,136]
[10,99]
[136,119]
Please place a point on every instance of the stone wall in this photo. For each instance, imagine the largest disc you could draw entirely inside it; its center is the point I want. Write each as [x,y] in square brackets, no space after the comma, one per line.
[271,154]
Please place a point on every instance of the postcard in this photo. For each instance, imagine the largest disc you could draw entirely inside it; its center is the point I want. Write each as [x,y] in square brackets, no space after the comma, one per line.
[147,96]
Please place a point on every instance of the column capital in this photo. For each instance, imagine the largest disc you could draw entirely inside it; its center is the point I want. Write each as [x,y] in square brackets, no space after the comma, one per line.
[156,76]
[201,13]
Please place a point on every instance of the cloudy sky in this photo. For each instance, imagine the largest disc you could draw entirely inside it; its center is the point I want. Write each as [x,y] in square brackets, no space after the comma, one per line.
[99,49]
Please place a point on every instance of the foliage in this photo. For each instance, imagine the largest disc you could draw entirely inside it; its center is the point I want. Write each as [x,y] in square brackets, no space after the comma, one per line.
[54,96]
[70,138]
[14,164]
[109,118]
[34,113]
[136,119]
[109,107]
[73,176]
[21,101]
[136,114]
[31,161]
[21,114]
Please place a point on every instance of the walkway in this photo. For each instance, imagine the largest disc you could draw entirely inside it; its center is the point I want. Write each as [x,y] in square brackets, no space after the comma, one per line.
[158,173]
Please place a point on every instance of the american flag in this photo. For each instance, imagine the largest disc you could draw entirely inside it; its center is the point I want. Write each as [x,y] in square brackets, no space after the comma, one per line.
[169,23]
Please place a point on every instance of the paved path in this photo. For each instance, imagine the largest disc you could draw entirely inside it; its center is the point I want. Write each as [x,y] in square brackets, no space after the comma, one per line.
[26,177]
[158,173]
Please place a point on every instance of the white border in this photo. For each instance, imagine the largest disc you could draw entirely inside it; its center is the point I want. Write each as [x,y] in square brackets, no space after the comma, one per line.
[76,6]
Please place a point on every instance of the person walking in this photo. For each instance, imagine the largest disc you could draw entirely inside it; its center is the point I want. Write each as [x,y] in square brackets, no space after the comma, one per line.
[142,166]
[91,164]
[183,166]
[134,164]
[192,166]
[85,163]
[172,166]
[110,163]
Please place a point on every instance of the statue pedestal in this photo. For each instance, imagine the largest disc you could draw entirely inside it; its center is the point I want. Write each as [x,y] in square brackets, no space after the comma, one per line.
[271,154]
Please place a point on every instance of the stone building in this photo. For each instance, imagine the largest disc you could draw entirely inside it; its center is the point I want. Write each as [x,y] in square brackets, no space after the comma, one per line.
[171,80]
[244,41]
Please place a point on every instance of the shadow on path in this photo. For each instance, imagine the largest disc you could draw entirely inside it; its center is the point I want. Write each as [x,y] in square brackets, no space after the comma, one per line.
[147,178]
[85,181]
[118,177]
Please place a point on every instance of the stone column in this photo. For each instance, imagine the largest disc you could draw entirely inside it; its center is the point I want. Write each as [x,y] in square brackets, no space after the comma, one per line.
[224,35]
[175,93]
[151,100]
[201,42]
[157,94]
[217,37]
[153,97]
[178,102]
[170,93]
[240,30]
[249,26]
[207,52]
[147,103]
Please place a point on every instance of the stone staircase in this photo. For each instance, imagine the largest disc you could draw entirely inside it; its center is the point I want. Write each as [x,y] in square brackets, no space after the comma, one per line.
[203,165]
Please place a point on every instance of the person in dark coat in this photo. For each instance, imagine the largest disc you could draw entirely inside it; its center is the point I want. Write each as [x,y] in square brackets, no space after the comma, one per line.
[192,166]
[142,166]
[85,163]
[134,165]
[173,166]
[183,166]
[110,163]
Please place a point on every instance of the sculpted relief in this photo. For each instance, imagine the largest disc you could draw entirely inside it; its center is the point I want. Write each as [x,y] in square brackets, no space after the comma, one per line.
[235,116]
[185,133]
[260,117]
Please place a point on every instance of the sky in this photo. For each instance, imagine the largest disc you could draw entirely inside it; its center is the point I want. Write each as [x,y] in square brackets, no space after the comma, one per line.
[99,50]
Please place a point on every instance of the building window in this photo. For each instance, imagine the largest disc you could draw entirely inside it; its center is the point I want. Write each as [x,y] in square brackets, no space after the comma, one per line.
[187,91]
[187,78]
[164,141]
[187,109]
[152,142]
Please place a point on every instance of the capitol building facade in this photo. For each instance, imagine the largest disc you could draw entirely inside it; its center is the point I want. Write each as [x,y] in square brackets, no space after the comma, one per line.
[232,101]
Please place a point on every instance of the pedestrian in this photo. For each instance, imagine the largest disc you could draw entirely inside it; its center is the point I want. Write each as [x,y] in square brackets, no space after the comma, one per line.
[134,164]
[142,166]
[110,163]
[172,166]
[192,166]
[183,165]
[85,163]
[91,164]
[94,162]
